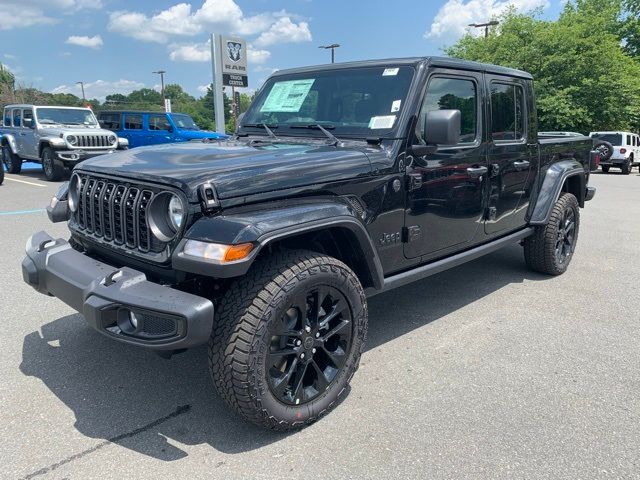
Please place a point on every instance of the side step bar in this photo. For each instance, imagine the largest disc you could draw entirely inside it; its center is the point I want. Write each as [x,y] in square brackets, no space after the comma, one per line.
[438,266]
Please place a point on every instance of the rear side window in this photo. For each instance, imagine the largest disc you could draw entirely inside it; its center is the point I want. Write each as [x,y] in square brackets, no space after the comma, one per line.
[110,121]
[27,114]
[7,117]
[133,122]
[158,122]
[507,112]
[628,139]
[17,117]
[445,93]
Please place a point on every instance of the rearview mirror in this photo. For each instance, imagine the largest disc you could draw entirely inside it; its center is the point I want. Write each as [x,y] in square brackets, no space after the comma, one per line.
[442,127]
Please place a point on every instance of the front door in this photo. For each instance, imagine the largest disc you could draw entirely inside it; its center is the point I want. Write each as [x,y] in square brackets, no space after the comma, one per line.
[446,189]
[133,130]
[160,130]
[511,157]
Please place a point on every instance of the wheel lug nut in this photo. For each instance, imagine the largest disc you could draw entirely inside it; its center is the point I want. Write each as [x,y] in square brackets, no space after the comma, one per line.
[313,350]
[317,334]
[307,329]
[302,355]
[298,342]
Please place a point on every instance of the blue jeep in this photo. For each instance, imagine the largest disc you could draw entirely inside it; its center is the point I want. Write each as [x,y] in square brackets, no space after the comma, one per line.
[152,128]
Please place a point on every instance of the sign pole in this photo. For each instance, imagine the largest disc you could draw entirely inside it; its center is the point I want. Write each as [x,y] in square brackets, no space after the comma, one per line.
[234,107]
[218,96]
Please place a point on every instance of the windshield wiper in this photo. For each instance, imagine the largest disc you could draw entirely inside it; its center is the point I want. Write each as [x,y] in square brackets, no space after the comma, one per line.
[265,126]
[333,140]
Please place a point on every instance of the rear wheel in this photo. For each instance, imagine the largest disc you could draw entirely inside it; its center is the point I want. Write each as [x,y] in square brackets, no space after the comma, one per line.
[605,169]
[626,167]
[11,160]
[550,249]
[1,174]
[288,338]
[53,168]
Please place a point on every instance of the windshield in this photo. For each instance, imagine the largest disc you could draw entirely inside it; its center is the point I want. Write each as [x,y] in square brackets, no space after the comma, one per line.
[360,102]
[614,139]
[184,122]
[66,116]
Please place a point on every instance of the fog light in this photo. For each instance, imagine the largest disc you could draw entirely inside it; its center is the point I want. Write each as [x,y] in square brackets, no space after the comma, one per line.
[133,319]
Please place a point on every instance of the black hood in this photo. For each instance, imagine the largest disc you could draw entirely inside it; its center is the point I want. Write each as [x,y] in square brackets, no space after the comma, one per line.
[235,168]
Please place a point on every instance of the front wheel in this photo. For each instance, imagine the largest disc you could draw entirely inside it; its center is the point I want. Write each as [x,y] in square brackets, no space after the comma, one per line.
[11,160]
[287,339]
[53,168]
[550,249]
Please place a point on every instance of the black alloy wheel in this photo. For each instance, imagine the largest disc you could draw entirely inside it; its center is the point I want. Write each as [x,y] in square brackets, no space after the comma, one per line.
[309,345]
[566,236]
[11,160]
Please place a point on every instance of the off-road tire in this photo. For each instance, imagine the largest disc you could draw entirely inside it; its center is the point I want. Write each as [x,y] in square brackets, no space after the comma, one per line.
[540,248]
[626,168]
[11,160]
[1,173]
[605,169]
[53,168]
[239,342]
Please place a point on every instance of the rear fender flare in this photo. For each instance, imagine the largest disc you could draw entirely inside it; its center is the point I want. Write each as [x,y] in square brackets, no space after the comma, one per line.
[266,226]
[554,179]
[8,139]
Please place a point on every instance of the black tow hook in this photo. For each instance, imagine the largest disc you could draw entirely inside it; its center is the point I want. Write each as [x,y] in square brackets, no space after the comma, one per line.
[111,278]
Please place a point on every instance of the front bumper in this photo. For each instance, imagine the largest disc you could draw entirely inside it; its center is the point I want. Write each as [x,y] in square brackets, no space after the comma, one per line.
[80,155]
[167,319]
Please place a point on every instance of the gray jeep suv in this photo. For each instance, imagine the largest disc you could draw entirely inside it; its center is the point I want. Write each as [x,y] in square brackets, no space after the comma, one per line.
[57,137]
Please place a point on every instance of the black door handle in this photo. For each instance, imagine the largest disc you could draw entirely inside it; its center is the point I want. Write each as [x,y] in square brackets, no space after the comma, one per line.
[475,172]
[523,165]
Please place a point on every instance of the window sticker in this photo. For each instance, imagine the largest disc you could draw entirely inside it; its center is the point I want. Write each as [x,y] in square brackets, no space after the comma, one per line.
[287,96]
[395,106]
[390,72]
[385,121]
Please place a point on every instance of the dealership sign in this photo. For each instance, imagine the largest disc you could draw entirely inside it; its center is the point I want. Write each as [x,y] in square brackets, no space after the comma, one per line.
[234,61]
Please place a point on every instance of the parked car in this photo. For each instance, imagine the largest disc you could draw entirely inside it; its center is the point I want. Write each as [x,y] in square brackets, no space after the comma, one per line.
[626,150]
[153,128]
[344,181]
[57,137]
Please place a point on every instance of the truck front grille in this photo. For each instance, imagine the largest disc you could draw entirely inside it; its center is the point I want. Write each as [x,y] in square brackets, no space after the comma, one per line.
[94,141]
[117,212]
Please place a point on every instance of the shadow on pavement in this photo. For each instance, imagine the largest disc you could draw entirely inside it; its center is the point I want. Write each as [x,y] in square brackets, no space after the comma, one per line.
[118,392]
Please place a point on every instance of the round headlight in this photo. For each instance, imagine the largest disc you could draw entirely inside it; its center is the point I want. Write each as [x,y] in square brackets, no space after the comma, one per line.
[176,213]
[74,192]
[112,139]
[72,139]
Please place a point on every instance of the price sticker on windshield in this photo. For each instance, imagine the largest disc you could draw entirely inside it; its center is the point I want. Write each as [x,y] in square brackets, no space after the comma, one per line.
[287,96]
[385,121]
[390,72]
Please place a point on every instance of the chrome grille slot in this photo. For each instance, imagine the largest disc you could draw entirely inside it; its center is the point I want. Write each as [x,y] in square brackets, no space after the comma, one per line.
[88,204]
[130,220]
[94,141]
[107,212]
[143,225]
[97,208]
[118,203]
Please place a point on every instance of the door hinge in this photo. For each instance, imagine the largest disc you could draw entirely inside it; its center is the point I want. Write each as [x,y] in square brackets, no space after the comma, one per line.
[415,181]
[411,233]
[492,213]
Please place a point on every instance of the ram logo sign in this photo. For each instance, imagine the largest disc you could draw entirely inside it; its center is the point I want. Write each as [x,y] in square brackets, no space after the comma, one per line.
[234,62]
[234,50]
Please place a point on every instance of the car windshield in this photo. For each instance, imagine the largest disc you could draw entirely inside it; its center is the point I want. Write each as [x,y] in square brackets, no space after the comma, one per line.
[614,139]
[184,122]
[358,102]
[66,116]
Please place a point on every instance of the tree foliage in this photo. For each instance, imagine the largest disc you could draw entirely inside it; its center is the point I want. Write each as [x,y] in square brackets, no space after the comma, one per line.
[586,75]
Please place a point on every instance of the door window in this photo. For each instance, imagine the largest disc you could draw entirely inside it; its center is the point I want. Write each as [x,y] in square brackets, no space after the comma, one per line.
[7,117]
[110,121]
[27,114]
[445,93]
[507,112]
[17,113]
[159,123]
[133,122]
[628,139]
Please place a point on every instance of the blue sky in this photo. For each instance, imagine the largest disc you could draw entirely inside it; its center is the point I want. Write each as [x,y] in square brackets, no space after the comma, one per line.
[114,45]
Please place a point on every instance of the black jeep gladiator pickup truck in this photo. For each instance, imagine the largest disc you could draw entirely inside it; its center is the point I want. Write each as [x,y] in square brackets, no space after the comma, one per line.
[343,181]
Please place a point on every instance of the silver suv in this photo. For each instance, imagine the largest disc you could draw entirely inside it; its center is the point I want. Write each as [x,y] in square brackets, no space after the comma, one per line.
[57,137]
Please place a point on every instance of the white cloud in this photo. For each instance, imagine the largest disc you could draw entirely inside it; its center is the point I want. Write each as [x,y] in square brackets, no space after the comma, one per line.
[284,31]
[453,18]
[84,41]
[101,88]
[203,88]
[201,52]
[21,14]
[222,16]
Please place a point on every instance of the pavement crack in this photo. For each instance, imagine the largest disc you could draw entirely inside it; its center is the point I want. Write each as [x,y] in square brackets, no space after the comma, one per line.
[182,409]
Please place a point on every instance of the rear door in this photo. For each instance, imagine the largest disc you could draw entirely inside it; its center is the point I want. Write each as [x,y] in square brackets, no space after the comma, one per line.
[446,188]
[512,152]
[159,130]
[133,129]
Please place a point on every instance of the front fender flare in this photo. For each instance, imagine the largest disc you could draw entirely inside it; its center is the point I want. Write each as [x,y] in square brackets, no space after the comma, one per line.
[268,225]
[549,191]
[10,140]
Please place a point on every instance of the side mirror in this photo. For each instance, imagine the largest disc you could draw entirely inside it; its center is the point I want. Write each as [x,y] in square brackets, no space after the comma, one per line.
[28,122]
[442,127]
[170,129]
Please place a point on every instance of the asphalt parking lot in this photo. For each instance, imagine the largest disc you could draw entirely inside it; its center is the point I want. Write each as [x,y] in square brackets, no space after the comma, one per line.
[485,371]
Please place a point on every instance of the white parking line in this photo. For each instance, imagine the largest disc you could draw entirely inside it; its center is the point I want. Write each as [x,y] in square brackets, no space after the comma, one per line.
[7,177]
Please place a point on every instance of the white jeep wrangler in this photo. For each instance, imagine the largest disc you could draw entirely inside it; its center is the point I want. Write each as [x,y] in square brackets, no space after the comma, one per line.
[626,150]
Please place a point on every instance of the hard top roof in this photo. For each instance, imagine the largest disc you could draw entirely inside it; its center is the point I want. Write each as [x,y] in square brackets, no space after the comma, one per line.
[445,62]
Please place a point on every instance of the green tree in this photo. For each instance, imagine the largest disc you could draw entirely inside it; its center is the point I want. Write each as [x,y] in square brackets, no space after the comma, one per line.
[584,79]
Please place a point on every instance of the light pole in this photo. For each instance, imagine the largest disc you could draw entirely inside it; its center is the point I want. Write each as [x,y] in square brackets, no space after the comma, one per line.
[161,73]
[333,47]
[486,26]
[84,100]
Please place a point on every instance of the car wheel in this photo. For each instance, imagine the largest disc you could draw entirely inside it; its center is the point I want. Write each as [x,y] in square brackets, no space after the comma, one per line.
[53,168]
[550,249]
[626,168]
[604,148]
[605,169]
[288,338]
[11,160]
[1,174]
